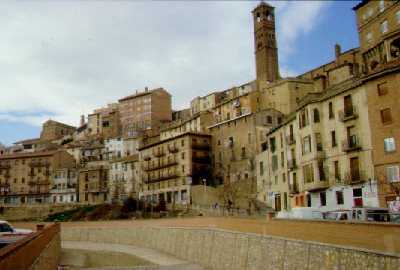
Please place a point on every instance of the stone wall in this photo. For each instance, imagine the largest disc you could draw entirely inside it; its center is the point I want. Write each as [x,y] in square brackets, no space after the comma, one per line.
[220,249]
[33,212]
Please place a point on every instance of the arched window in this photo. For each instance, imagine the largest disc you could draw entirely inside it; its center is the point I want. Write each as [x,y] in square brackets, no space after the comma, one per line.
[316,115]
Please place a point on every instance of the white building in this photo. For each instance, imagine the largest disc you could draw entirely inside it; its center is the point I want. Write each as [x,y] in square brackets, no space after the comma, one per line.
[114,147]
[64,188]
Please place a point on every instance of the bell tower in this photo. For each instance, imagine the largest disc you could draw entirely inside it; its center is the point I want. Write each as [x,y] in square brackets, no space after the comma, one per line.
[266,50]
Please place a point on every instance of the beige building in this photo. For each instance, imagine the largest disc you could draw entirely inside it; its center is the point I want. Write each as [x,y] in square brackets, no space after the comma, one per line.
[197,124]
[144,110]
[201,104]
[170,167]
[28,177]
[53,130]
[93,184]
[105,122]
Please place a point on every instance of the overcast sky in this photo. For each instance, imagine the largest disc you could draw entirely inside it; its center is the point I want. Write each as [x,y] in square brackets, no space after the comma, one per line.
[62,59]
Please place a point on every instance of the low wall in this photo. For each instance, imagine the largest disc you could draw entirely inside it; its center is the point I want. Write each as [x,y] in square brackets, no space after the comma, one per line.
[32,212]
[220,249]
[39,251]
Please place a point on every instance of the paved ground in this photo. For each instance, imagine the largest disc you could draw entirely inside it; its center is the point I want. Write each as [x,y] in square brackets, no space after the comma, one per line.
[380,237]
[159,259]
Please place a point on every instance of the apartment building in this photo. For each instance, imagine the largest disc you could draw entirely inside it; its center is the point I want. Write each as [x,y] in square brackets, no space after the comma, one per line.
[196,124]
[205,103]
[114,148]
[93,184]
[378,24]
[124,179]
[105,122]
[29,177]
[170,167]
[64,188]
[144,110]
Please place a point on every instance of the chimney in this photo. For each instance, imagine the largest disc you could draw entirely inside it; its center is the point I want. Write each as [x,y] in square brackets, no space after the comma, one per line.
[338,51]
[82,119]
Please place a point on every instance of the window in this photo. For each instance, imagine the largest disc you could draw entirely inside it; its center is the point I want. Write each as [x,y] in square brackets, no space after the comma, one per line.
[274,163]
[382,89]
[392,174]
[219,142]
[243,152]
[183,155]
[306,145]
[272,144]
[339,197]
[183,168]
[386,116]
[316,115]
[303,118]
[368,37]
[322,198]
[318,140]
[389,145]
[331,114]
[283,177]
[381,5]
[282,159]
[269,119]
[336,170]
[182,142]
[261,168]
[357,197]
[333,138]
[398,16]
[279,119]
[384,27]
[308,173]
[249,138]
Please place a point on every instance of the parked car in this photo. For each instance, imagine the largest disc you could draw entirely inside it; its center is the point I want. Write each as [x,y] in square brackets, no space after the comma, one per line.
[8,234]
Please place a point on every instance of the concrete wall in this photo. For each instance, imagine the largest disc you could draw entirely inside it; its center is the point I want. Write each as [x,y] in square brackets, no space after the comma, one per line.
[33,212]
[219,249]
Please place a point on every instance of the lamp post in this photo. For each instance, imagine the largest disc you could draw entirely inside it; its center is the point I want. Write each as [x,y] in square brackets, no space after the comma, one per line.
[204,189]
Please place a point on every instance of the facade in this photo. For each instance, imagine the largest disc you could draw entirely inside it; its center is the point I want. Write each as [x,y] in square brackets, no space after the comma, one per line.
[114,148]
[144,110]
[29,177]
[170,167]
[65,183]
[124,178]
[93,184]
[201,104]
[105,122]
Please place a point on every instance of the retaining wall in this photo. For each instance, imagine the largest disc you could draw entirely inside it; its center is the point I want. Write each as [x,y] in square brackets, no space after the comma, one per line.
[39,251]
[220,249]
[33,212]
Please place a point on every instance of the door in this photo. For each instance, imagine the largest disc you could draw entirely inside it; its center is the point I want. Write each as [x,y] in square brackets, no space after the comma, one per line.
[354,169]
[278,202]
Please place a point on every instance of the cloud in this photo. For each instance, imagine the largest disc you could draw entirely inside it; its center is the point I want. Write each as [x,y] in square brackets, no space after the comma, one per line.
[62,59]
[295,19]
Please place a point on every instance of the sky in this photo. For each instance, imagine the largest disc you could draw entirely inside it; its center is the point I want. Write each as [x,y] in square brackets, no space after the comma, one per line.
[62,59]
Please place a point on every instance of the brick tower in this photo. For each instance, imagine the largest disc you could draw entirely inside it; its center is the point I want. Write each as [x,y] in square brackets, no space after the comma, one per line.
[265,43]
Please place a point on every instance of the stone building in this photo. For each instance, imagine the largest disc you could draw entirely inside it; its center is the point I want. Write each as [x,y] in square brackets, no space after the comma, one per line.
[205,103]
[170,167]
[144,110]
[28,177]
[53,130]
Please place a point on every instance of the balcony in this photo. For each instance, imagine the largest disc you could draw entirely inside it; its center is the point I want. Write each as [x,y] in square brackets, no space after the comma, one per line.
[351,144]
[347,114]
[159,177]
[39,164]
[316,185]
[173,148]
[5,166]
[355,177]
[158,152]
[291,164]
[7,174]
[39,183]
[290,139]
[293,189]
[200,146]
